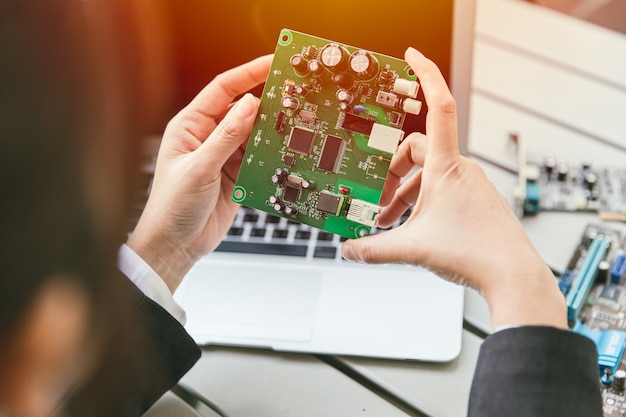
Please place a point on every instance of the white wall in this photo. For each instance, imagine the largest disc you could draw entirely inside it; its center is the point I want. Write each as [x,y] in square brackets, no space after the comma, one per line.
[558,81]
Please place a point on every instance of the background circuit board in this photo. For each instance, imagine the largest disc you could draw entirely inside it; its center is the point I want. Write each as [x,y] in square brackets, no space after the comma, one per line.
[555,185]
[595,291]
[329,122]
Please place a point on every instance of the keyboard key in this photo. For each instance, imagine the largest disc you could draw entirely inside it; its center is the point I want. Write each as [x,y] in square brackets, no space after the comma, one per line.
[235,231]
[257,232]
[327,252]
[271,219]
[303,234]
[280,233]
[251,218]
[262,248]
[325,236]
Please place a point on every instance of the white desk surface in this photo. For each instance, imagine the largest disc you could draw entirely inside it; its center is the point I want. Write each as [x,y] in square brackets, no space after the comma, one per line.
[256,383]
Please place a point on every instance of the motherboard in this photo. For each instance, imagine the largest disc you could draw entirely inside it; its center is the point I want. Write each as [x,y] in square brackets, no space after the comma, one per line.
[329,122]
[595,292]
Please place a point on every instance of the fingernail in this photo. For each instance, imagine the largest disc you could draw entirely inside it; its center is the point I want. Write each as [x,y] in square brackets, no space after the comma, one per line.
[245,107]
[347,252]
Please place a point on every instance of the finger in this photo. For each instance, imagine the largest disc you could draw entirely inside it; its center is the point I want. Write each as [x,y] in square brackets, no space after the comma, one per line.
[230,133]
[379,248]
[405,197]
[211,102]
[441,121]
[410,153]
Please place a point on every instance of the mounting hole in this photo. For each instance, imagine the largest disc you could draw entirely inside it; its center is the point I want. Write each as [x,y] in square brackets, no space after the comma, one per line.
[362,231]
[239,194]
[409,72]
[285,37]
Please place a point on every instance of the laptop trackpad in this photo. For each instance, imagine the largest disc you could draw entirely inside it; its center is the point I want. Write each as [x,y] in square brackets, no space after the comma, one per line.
[226,303]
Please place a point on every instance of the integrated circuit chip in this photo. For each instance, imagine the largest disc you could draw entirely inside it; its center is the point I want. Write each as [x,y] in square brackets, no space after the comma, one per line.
[332,152]
[357,124]
[291,194]
[301,140]
[330,202]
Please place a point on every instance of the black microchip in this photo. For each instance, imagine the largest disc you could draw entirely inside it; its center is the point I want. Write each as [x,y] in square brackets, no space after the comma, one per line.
[301,140]
[291,194]
[331,153]
[289,160]
[357,124]
[610,292]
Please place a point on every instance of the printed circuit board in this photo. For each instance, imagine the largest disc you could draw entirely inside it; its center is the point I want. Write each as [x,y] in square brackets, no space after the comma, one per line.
[595,292]
[329,122]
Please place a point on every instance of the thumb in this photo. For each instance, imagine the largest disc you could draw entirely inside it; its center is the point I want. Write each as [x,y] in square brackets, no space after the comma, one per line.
[231,132]
[379,248]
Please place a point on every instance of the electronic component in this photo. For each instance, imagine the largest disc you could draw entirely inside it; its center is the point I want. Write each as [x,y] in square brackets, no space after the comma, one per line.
[406,87]
[363,212]
[301,140]
[618,269]
[329,121]
[332,151]
[356,124]
[330,202]
[291,194]
[385,138]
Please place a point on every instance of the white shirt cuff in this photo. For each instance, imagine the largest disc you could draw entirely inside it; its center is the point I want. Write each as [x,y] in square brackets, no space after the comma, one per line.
[148,281]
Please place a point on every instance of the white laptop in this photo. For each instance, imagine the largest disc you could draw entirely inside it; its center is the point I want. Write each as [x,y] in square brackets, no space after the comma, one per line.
[280,285]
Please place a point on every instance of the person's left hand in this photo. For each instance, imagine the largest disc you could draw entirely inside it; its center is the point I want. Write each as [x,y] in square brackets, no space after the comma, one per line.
[190,208]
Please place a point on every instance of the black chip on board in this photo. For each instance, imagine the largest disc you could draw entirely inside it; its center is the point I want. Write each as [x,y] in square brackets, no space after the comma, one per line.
[291,194]
[357,124]
[301,140]
[331,154]
[289,160]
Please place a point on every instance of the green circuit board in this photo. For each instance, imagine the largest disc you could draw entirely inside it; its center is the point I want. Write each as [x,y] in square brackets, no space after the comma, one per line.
[329,122]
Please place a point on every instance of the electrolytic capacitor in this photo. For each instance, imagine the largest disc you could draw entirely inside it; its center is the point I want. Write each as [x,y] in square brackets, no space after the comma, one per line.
[291,211]
[603,272]
[561,171]
[334,57]
[364,65]
[590,179]
[315,67]
[273,199]
[345,96]
[619,381]
[343,80]
[300,64]
[290,103]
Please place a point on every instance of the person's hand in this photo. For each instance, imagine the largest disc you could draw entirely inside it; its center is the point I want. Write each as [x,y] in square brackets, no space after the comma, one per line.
[461,227]
[190,208]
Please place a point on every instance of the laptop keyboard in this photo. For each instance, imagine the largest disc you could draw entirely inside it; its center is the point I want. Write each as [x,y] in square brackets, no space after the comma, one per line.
[257,232]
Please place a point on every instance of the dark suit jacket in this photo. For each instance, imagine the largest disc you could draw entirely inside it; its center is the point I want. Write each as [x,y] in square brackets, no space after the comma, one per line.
[145,355]
[536,372]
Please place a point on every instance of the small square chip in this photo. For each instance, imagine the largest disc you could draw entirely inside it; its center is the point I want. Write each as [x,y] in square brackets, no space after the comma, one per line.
[301,140]
[291,194]
[330,203]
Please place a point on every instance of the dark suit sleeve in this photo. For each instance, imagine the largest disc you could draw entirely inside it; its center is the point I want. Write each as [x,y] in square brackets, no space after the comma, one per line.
[146,354]
[536,371]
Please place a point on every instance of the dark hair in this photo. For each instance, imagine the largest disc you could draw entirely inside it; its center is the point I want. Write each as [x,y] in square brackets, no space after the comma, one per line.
[67,147]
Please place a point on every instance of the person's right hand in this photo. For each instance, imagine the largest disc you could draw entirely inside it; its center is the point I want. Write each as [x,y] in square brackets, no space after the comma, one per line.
[461,227]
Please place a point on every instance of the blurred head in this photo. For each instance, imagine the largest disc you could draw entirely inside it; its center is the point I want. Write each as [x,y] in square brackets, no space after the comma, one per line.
[72,107]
